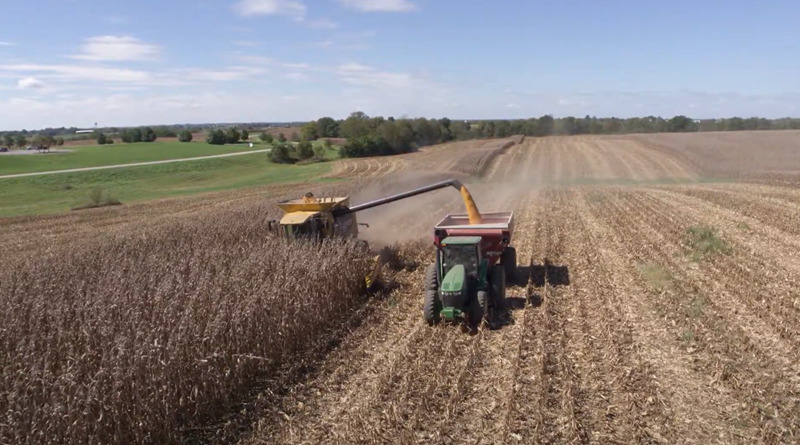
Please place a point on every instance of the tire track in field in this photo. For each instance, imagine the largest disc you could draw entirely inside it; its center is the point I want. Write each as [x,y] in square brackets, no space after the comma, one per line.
[651,163]
[488,386]
[564,419]
[598,163]
[624,170]
[619,380]
[521,419]
[641,166]
[530,148]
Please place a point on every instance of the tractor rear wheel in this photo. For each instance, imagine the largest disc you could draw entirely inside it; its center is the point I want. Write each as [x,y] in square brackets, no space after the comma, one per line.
[497,284]
[433,304]
[479,308]
[509,261]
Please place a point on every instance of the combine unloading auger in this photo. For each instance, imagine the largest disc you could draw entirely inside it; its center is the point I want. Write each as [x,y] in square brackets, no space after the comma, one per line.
[473,253]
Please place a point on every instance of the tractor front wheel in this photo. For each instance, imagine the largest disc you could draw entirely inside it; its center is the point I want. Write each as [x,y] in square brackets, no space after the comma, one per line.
[433,304]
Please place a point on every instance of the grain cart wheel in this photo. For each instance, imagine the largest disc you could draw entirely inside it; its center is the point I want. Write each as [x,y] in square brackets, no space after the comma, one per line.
[433,305]
[479,308]
[497,285]
[509,261]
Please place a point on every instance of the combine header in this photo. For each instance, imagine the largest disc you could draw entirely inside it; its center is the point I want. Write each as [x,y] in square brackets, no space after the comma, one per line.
[473,253]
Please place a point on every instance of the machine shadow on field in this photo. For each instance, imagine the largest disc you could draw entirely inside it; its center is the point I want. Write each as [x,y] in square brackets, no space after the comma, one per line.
[533,278]
[540,275]
[548,273]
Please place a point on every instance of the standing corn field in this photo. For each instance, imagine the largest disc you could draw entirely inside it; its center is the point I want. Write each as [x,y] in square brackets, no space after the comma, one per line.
[138,338]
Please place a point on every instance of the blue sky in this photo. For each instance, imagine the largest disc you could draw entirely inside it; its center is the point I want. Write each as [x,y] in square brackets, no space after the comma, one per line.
[76,62]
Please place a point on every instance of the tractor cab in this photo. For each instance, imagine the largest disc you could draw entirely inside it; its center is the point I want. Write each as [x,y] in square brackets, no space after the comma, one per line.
[463,250]
[462,271]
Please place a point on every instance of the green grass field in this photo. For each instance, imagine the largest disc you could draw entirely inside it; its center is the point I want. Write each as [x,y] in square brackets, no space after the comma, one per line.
[99,155]
[60,192]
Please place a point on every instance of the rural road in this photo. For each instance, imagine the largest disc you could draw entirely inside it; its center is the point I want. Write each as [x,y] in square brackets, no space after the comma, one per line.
[135,164]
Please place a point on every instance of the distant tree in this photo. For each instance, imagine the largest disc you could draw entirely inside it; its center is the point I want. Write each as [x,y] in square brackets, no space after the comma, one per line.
[309,132]
[245,134]
[148,135]
[280,154]
[327,144]
[59,141]
[327,127]
[361,146]
[281,138]
[356,125]
[232,136]
[682,124]
[185,136]
[43,141]
[266,137]
[8,139]
[295,137]
[305,150]
[399,136]
[425,132]
[216,137]
[319,153]
[20,140]
[101,138]
[546,125]
[130,135]
[165,132]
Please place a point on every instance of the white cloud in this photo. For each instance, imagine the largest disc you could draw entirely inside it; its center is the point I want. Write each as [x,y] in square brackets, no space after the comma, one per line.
[363,75]
[513,106]
[228,74]
[6,44]
[290,8]
[323,24]
[296,66]
[380,5]
[30,83]
[246,43]
[116,48]
[296,76]
[80,73]
[116,20]
[253,60]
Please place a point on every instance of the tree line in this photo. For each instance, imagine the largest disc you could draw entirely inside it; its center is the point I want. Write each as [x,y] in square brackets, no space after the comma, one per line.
[37,140]
[375,136]
[371,136]
[221,137]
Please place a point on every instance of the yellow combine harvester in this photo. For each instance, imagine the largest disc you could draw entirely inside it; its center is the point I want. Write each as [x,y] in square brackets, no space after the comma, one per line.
[321,218]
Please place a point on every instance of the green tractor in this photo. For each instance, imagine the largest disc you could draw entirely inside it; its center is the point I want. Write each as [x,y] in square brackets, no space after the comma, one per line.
[468,278]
